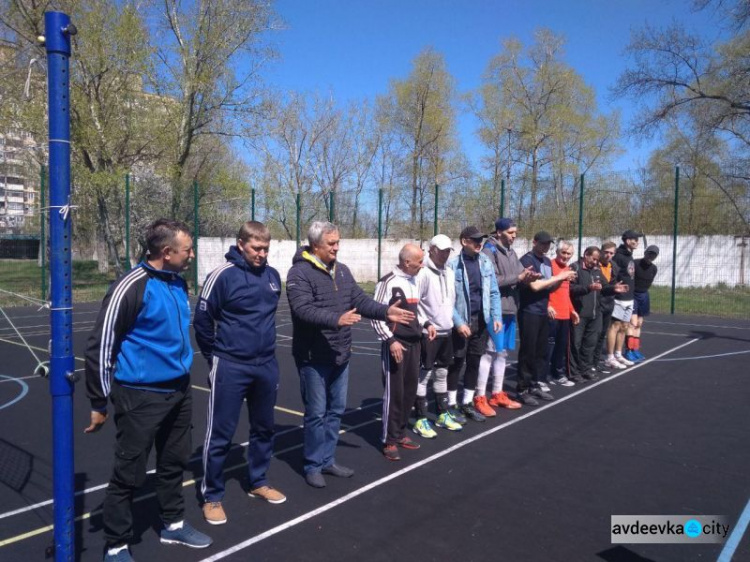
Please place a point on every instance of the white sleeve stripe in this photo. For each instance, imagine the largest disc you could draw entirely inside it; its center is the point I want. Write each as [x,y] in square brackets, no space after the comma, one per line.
[381,326]
[212,277]
[108,331]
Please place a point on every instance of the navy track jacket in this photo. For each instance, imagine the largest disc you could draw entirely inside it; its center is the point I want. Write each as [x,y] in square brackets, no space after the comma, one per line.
[142,334]
[235,316]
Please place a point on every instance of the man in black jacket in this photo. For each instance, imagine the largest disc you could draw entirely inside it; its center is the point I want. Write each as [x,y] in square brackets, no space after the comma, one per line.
[623,309]
[586,291]
[645,273]
[325,301]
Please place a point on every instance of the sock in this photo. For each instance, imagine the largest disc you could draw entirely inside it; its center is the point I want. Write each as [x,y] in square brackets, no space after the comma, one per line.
[442,402]
[468,396]
[610,357]
[498,371]
[175,526]
[630,343]
[421,407]
[484,373]
[636,343]
[452,395]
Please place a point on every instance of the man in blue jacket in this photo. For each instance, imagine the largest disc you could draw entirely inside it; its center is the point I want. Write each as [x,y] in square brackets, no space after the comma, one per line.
[325,302]
[235,329]
[139,356]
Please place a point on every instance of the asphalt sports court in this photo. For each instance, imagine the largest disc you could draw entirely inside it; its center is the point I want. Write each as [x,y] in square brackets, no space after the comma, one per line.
[668,436]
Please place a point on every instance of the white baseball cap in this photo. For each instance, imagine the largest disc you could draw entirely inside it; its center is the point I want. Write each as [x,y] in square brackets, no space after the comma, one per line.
[441,242]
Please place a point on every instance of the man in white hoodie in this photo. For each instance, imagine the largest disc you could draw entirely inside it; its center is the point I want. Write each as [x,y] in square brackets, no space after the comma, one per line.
[437,299]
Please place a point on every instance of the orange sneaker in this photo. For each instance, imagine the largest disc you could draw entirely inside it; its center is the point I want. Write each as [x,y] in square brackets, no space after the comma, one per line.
[502,400]
[481,405]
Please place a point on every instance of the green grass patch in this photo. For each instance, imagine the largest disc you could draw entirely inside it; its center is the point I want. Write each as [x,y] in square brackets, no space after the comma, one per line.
[722,301]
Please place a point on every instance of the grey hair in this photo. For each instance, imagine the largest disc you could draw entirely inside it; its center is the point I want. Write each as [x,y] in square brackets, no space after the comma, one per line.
[318,229]
[564,244]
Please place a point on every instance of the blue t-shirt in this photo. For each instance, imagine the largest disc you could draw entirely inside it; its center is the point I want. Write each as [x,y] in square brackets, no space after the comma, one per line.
[535,302]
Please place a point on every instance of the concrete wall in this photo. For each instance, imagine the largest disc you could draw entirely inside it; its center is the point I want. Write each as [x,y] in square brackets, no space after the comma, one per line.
[701,260]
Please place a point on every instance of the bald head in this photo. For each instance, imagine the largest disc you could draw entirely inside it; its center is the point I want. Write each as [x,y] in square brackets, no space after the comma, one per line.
[410,259]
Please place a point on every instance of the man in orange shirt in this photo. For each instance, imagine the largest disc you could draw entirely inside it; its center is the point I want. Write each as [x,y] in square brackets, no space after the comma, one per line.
[561,313]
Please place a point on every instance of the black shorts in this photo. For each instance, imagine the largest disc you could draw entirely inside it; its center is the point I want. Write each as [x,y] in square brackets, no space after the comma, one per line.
[641,304]
[477,342]
[438,352]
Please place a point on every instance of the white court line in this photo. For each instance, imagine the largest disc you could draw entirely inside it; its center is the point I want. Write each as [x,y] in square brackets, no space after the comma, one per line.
[190,460]
[706,356]
[358,492]
[736,536]
[698,325]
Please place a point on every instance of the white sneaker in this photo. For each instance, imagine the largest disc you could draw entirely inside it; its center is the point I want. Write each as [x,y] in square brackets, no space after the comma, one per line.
[614,364]
[543,386]
[626,362]
[562,381]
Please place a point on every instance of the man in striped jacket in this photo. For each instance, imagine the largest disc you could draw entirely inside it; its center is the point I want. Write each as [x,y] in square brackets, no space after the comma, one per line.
[235,328]
[401,346]
[139,355]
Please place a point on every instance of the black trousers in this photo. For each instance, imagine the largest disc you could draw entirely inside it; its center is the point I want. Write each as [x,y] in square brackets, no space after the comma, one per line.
[532,353]
[602,341]
[468,351]
[146,419]
[400,380]
[585,337]
[558,343]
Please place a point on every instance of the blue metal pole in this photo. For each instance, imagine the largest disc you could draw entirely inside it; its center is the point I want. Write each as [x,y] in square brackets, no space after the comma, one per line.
[58,30]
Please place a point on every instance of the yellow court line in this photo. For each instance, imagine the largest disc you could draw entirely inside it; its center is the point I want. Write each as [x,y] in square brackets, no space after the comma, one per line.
[185,484]
[279,408]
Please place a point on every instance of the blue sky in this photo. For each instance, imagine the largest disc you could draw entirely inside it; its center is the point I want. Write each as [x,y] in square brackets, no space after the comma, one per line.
[352,48]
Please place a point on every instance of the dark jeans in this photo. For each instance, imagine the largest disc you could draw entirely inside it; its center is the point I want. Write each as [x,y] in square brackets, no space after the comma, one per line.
[585,336]
[145,419]
[602,341]
[400,381]
[232,383]
[532,353]
[468,351]
[559,348]
[324,390]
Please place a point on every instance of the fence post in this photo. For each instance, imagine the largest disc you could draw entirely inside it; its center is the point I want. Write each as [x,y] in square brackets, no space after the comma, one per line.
[252,204]
[380,226]
[43,214]
[502,198]
[332,207]
[196,236]
[127,219]
[298,214]
[675,231]
[580,217]
[437,199]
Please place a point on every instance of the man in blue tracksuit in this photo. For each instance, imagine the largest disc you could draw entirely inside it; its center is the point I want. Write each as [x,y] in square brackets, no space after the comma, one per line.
[235,328]
[139,357]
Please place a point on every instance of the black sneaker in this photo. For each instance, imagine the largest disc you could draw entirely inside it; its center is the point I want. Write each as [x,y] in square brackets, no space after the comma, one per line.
[541,394]
[591,375]
[526,399]
[471,412]
[603,369]
[578,379]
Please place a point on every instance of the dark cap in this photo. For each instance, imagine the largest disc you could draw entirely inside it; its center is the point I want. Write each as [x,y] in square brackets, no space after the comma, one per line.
[652,250]
[504,224]
[473,233]
[543,237]
[630,234]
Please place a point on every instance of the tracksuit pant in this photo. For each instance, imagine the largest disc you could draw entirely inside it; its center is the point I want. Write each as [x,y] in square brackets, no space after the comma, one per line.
[146,419]
[602,339]
[400,381]
[231,384]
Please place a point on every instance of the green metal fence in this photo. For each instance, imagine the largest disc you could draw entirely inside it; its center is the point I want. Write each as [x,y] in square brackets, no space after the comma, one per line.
[699,221]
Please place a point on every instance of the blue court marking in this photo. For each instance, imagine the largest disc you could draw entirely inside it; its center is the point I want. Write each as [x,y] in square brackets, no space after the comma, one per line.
[24,391]
[735,536]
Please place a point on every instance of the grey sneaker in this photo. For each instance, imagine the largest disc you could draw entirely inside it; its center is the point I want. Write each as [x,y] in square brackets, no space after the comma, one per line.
[338,471]
[186,536]
[472,413]
[526,399]
[315,479]
[542,394]
[562,381]
[543,385]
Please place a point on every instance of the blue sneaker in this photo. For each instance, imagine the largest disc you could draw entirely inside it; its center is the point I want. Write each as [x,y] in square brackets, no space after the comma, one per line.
[122,556]
[639,356]
[630,356]
[187,536]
